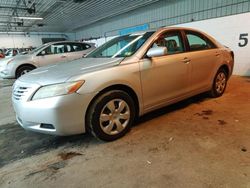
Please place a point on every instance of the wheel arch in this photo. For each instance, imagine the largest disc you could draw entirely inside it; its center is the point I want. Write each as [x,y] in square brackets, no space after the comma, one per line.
[121,87]
[212,92]
[226,68]
[222,66]
[22,65]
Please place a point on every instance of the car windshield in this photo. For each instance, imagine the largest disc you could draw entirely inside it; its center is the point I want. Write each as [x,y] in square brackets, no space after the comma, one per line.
[38,48]
[8,53]
[123,46]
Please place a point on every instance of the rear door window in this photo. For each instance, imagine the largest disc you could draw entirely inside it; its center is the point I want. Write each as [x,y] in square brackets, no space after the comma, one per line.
[85,46]
[67,48]
[198,42]
[80,47]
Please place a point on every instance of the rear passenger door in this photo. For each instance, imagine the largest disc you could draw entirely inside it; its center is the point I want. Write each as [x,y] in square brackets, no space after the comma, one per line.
[203,56]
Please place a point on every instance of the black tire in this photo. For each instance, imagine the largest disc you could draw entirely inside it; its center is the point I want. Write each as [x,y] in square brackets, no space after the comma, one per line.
[100,107]
[219,83]
[23,70]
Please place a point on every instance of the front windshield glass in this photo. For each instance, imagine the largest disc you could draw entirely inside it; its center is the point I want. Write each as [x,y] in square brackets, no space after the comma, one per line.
[123,46]
[8,53]
[38,48]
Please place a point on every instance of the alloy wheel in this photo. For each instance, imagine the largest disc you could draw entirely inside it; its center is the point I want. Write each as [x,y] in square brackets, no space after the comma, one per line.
[220,83]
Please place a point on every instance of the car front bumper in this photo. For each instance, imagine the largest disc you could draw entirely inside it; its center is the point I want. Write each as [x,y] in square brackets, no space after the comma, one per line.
[5,72]
[61,115]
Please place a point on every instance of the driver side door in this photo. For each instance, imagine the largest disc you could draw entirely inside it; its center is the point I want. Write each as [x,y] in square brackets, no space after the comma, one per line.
[165,78]
[52,54]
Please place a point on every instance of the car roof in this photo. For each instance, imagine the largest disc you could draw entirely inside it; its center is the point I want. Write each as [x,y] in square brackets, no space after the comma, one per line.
[166,28]
[66,41]
[176,28]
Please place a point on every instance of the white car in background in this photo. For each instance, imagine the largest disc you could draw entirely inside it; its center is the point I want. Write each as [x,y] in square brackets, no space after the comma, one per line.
[11,53]
[47,54]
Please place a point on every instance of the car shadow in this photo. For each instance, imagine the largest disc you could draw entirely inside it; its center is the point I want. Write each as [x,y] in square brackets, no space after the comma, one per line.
[172,108]
[6,82]
[247,78]
[16,143]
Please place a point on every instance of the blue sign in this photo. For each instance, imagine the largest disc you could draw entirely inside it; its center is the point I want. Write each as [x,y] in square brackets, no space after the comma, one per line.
[134,29]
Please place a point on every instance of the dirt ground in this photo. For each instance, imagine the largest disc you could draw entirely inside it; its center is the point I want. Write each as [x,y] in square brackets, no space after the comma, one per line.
[200,142]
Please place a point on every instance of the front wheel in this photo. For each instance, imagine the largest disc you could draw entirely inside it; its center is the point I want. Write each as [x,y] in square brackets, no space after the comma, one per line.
[23,70]
[219,84]
[111,115]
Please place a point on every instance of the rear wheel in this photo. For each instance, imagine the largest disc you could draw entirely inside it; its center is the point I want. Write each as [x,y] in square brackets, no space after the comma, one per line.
[219,84]
[111,115]
[23,70]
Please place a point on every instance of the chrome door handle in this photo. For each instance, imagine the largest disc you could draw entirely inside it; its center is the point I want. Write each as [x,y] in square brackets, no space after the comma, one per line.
[186,60]
[63,56]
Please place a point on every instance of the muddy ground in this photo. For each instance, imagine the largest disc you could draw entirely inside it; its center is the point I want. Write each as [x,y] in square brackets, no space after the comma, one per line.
[200,142]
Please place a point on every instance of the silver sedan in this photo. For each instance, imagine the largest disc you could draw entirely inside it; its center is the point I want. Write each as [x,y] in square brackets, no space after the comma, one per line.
[47,54]
[125,78]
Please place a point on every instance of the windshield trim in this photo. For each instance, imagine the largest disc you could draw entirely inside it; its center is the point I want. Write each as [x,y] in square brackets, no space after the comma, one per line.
[125,47]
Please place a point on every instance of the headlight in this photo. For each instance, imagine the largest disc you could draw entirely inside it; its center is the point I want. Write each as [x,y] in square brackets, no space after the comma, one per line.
[57,89]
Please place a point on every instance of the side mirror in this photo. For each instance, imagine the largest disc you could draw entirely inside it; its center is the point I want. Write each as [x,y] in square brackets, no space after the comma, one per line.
[42,53]
[157,51]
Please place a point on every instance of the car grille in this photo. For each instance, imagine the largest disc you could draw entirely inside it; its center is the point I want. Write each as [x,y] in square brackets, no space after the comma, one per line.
[20,92]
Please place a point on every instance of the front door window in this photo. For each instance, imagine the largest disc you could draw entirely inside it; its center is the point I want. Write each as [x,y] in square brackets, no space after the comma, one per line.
[172,41]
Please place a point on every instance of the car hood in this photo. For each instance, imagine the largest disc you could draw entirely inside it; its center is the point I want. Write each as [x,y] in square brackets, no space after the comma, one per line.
[15,58]
[61,72]
[20,57]
[5,60]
